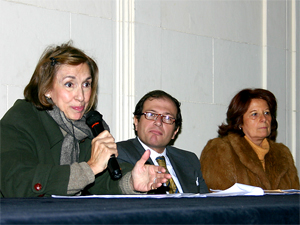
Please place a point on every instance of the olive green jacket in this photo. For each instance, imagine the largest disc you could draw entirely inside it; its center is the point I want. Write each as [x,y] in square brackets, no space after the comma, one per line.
[30,156]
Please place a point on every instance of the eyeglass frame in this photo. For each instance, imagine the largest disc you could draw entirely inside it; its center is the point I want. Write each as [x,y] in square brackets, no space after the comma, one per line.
[161,116]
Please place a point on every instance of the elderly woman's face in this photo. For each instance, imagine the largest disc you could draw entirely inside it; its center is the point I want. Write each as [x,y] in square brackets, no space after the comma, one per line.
[257,121]
[71,90]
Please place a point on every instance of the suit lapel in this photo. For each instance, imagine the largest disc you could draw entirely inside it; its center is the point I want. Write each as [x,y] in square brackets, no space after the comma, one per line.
[184,171]
[54,135]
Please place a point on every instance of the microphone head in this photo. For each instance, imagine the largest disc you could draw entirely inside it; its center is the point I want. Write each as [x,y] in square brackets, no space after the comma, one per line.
[93,117]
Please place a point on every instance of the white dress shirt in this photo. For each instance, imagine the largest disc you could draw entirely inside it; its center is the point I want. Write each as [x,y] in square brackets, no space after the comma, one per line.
[154,155]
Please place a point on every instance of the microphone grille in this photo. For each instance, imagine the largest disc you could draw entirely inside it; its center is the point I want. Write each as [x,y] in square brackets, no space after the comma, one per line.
[93,117]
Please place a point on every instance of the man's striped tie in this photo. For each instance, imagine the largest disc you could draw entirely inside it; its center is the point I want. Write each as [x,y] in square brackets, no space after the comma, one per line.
[170,183]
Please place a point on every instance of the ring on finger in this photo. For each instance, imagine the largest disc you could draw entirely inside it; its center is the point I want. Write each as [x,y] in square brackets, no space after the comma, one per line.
[154,180]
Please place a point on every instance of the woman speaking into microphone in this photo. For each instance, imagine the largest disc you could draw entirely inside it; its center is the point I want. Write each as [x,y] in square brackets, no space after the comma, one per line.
[46,146]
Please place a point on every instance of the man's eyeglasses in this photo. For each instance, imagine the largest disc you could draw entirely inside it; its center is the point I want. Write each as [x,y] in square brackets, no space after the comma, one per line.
[153,116]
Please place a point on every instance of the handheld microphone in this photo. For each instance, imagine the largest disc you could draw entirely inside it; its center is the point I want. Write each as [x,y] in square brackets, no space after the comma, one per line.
[94,121]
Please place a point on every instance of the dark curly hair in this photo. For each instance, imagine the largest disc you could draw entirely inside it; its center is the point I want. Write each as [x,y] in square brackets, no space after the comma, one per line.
[239,106]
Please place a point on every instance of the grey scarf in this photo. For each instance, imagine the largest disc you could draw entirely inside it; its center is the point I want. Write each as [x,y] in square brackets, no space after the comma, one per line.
[73,131]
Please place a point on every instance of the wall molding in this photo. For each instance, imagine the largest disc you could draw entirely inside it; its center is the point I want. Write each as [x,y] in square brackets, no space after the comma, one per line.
[125,72]
[264,43]
[293,77]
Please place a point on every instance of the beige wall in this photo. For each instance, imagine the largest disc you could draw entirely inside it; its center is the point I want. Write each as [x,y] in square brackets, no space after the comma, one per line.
[202,52]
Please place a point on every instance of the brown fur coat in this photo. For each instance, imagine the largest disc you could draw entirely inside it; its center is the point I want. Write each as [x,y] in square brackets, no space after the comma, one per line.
[229,160]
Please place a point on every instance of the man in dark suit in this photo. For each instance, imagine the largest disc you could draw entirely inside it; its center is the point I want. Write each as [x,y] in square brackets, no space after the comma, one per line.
[157,120]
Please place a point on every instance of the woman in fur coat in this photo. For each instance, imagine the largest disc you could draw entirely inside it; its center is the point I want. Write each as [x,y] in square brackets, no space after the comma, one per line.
[245,151]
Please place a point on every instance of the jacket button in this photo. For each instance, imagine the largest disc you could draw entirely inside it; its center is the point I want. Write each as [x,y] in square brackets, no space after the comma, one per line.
[38,186]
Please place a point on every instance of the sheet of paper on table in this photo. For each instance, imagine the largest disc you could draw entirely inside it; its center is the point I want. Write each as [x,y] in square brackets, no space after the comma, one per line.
[235,190]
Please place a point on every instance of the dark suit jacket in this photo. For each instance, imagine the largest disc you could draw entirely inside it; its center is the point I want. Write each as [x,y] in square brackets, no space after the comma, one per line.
[185,164]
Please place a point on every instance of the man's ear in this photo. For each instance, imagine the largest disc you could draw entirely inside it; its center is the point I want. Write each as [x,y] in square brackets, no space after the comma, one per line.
[136,122]
[175,132]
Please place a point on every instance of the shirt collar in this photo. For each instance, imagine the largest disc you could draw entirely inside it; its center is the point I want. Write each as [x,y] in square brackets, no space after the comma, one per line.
[153,154]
